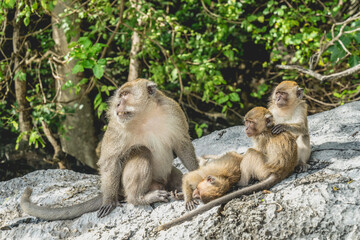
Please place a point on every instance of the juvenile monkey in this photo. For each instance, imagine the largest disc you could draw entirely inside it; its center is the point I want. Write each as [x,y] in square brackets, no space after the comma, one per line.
[212,180]
[272,159]
[144,129]
[290,114]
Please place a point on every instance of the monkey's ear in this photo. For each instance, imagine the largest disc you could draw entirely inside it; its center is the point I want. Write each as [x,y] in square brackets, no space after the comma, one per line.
[269,120]
[300,93]
[151,88]
[210,179]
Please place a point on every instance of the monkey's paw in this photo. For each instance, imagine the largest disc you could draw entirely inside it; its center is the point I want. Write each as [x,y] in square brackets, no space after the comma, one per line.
[157,196]
[277,129]
[302,167]
[105,210]
[177,195]
[190,205]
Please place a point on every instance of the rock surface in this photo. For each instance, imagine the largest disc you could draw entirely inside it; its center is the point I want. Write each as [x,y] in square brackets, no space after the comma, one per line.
[323,203]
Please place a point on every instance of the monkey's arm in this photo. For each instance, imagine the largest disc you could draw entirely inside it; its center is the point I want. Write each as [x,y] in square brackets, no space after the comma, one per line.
[62,213]
[267,183]
[189,183]
[111,171]
[185,151]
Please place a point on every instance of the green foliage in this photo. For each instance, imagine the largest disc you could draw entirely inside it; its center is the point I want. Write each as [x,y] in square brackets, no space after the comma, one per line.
[199,129]
[194,46]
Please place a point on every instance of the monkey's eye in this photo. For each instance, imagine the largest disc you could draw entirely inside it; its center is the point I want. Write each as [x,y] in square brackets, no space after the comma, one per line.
[123,94]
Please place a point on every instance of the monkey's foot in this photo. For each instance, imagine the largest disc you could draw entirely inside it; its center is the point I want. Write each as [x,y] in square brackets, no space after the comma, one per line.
[277,129]
[105,210]
[302,167]
[177,195]
[157,196]
[190,205]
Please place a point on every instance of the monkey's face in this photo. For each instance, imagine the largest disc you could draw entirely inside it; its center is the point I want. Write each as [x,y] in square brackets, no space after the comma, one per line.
[133,98]
[210,188]
[257,121]
[286,93]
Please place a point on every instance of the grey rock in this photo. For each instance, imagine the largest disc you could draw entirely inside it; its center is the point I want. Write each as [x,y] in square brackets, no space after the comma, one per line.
[323,203]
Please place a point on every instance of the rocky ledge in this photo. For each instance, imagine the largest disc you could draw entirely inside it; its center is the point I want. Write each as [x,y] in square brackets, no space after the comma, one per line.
[323,203]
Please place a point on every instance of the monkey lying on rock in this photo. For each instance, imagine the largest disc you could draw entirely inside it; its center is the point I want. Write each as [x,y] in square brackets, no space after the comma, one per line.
[144,129]
[212,180]
[272,158]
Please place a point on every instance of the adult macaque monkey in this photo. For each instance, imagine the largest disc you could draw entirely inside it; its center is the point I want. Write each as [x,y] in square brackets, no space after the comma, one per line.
[290,114]
[212,180]
[272,159]
[144,129]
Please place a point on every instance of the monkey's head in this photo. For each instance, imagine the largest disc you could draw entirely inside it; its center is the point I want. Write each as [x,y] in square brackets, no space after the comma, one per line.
[286,93]
[257,121]
[131,99]
[211,188]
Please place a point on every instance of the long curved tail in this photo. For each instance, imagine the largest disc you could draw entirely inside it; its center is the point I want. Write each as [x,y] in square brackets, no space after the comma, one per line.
[267,183]
[62,213]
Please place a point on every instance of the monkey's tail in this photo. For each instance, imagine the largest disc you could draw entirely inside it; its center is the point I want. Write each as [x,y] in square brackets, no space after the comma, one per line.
[267,183]
[62,213]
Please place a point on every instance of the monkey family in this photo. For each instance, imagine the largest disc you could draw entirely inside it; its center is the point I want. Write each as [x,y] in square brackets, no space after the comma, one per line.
[146,127]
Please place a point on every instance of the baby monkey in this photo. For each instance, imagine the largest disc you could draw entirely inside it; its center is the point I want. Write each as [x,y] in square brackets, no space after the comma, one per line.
[212,180]
[272,159]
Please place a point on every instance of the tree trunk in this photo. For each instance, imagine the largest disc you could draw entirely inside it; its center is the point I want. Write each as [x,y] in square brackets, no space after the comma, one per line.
[20,85]
[134,66]
[79,139]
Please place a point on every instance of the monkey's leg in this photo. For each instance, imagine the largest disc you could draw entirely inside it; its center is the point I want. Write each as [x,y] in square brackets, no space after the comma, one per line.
[136,180]
[175,180]
[304,152]
[252,166]
[185,151]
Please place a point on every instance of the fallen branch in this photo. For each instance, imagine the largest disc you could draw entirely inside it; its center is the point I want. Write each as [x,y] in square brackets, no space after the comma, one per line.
[320,77]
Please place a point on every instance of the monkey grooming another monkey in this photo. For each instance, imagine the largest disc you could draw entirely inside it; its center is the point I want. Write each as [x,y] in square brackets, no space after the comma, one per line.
[290,114]
[212,180]
[272,159]
[145,128]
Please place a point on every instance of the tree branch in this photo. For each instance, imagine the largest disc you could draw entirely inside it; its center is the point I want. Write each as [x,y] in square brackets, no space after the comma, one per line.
[320,77]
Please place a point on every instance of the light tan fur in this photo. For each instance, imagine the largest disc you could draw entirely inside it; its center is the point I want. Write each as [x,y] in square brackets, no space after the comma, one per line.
[271,154]
[145,128]
[272,159]
[290,114]
[223,171]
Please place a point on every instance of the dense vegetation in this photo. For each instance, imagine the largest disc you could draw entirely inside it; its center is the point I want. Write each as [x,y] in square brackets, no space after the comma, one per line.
[217,58]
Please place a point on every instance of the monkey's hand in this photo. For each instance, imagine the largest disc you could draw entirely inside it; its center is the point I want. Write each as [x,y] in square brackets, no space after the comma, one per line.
[177,195]
[277,129]
[190,205]
[105,210]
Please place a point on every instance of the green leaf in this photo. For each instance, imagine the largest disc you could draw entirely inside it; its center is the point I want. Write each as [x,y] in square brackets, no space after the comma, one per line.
[354,60]
[102,61]
[223,99]
[88,63]
[98,71]
[174,74]
[261,19]
[234,97]
[77,68]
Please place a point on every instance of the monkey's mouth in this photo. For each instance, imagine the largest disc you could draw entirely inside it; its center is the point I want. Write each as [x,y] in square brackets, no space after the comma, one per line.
[124,114]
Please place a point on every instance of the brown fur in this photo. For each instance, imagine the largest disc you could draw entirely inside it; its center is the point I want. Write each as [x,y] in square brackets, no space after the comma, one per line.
[291,116]
[144,129]
[272,159]
[224,172]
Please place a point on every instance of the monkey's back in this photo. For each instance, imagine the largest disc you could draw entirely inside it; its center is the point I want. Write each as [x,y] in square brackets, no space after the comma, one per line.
[282,152]
[227,166]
